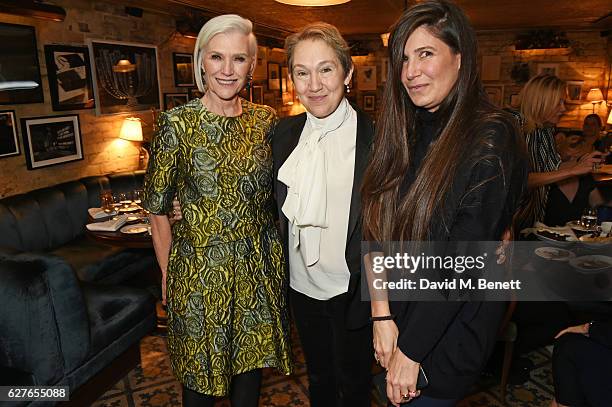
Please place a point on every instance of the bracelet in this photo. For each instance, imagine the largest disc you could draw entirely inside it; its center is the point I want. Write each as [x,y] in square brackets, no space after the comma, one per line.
[382,318]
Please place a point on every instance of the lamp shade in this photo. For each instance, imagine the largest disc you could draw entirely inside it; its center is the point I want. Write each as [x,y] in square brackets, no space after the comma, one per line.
[131,129]
[595,95]
[610,118]
[313,3]
[385,39]
[124,66]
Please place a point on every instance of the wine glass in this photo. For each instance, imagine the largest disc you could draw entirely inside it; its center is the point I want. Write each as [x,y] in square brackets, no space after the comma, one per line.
[589,218]
[125,200]
[106,202]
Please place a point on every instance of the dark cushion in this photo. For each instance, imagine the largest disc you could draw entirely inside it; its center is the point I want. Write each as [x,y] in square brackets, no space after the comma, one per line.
[114,310]
[43,322]
[104,264]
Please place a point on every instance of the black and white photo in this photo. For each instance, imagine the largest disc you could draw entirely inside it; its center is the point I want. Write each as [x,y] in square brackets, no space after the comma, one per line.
[9,145]
[183,69]
[51,140]
[69,73]
[20,80]
[126,76]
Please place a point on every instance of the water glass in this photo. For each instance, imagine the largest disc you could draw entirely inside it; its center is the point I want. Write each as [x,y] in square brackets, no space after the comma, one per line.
[106,202]
[589,218]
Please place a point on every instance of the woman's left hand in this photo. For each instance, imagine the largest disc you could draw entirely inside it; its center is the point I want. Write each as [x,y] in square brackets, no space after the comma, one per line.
[402,376]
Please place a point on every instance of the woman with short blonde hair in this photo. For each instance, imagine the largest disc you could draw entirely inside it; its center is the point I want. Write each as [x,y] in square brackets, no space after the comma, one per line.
[542,105]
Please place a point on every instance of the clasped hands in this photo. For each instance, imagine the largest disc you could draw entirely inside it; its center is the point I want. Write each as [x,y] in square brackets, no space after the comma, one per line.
[402,372]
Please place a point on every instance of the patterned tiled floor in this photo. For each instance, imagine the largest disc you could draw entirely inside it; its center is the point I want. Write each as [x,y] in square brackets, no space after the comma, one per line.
[152,384]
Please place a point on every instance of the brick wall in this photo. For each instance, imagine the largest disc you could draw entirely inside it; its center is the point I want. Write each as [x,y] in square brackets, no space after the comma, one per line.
[103,151]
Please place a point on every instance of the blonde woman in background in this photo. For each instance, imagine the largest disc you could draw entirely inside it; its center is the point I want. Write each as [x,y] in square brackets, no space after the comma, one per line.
[222,262]
[542,105]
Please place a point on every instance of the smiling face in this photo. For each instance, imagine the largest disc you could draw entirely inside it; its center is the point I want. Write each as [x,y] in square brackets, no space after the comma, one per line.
[430,69]
[318,77]
[227,64]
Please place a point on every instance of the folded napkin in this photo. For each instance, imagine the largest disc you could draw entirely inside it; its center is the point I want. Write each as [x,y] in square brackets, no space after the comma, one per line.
[98,213]
[108,226]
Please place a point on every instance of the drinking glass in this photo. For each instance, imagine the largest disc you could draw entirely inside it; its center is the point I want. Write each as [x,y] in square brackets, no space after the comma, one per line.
[589,218]
[125,199]
[138,195]
[106,202]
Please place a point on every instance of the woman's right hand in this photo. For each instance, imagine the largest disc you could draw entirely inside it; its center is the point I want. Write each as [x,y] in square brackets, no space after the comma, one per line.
[585,163]
[385,340]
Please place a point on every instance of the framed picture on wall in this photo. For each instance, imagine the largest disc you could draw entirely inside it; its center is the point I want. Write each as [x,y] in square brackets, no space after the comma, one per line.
[258,95]
[194,93]
[369,103]
[183,69]
[19,68]
[366,77]
[274,76]
[549,69]
[175,99]
[574,91]
[51,140]
[261,67]
[495,93]
[9,145]
[126,76]
[69,73]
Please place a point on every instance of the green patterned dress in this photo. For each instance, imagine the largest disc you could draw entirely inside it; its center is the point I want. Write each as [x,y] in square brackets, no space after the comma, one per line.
[227,312]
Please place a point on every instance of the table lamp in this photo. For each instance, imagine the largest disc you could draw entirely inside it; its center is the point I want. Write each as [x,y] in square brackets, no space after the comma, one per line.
[594,96]
[131,130]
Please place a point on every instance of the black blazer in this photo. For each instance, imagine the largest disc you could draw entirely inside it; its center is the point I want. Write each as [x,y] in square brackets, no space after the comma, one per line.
[284,140]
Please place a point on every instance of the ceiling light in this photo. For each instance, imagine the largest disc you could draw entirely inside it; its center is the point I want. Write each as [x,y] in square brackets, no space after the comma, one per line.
[313,3]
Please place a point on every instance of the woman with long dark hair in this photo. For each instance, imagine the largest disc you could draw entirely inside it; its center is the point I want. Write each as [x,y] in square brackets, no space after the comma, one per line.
[446,165]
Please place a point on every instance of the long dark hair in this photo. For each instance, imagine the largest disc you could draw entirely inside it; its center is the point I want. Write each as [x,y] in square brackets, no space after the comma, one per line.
[388,216]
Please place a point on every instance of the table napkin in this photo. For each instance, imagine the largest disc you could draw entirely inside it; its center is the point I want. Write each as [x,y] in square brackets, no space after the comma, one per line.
[98,213]
[108,226]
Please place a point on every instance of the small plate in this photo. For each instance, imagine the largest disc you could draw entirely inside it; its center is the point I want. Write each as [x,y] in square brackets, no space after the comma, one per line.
[130,209]
[591,264]
[555,242]
[554,253]
[135,229]
[575,224]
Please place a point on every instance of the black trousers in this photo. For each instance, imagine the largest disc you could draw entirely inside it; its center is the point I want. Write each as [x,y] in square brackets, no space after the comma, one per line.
[582,372]
[338,360]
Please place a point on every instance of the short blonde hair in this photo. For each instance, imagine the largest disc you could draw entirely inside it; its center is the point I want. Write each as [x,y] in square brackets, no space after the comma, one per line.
[327,33]
[221,24]
[539,98]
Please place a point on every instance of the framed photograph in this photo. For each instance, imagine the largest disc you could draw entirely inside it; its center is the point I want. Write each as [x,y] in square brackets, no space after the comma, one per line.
[51,140]
[258,95]
[366,77]
[549,69]
[574,91]
[126,76]
[384,69]
[369,103]
[270,99]
[183,69]
[9,145]
[20,80]
[69,73]
[274,77]
[261,67]
[495,93]
[175,99]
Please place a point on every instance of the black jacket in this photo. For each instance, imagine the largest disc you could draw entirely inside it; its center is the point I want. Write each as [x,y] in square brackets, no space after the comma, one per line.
[453,340]
[284,140]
